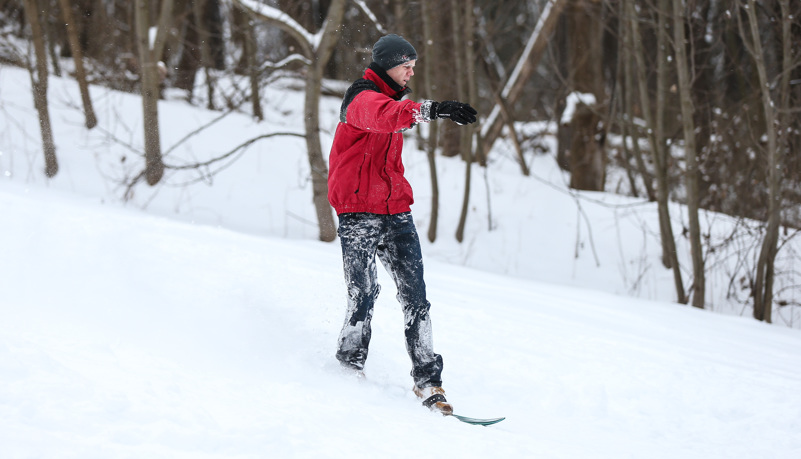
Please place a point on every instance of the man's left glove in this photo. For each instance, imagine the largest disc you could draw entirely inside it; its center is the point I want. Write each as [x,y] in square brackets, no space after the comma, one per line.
[458,112]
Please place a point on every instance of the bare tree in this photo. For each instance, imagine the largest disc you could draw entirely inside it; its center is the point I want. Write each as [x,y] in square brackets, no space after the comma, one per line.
[429,49]
[585,130]
[691,177]
[149,57]
[39,78]
[198,7]
[765,269]
[524,68]
[628,100]
[669,255]
[250,49]
[458,28]
[317,48]
[77,57]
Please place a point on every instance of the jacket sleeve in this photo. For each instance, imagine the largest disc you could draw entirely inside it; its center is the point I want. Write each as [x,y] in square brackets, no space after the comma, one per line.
[373,111]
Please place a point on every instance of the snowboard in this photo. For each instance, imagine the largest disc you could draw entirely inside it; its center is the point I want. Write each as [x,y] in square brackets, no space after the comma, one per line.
[478,422]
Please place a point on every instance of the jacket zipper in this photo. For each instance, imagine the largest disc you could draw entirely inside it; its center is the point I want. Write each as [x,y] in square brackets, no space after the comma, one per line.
[386,162]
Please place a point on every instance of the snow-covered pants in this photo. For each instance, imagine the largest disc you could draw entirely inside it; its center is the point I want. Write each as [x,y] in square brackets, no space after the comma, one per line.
[394,239]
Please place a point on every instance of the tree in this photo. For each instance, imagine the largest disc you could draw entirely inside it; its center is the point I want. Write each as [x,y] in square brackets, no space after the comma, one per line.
[524,68]
[77,57]
[202,44]
[653,122]
[460,29]
[39,77]
[429,51]
[628,103]
[149,57]
[317,48]
[765,269]
[586,140]
[250,49]
[198,7]
[692,176]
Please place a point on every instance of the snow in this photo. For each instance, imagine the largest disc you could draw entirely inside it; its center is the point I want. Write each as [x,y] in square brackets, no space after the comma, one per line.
[521,63]
[370,15]
[572,101]
[532,40]
[277,15]
[200,321]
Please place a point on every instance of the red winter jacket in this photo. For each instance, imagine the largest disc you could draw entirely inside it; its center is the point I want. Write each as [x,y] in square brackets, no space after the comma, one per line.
[365,168]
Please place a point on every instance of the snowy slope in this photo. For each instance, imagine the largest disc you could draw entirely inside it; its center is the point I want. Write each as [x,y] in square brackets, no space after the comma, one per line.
[200,321]
[126,335]
[532,227]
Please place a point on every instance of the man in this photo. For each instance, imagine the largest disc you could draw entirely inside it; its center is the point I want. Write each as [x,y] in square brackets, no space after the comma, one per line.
[372,198]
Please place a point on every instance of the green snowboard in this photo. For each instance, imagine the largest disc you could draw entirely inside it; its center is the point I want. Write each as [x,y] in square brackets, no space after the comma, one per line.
[478,422]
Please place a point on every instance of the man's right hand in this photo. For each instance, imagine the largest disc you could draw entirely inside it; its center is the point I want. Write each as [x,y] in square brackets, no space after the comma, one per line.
[457,112]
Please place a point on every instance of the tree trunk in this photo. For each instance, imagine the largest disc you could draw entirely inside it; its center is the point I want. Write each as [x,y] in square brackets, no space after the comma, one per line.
[622,93]
[491,77]
[431,145]
[249,49]
[629,103]
[471,95]
[526,65]
[77,57]
[189,60]
[449,134]
[692,177]
[587,162]
[782,135]
[149,55]
[39,84]
[464,140]
[587,157]
[198,7]
[88,21]
[319,167]
[48,20]
[669,255]
[763,284]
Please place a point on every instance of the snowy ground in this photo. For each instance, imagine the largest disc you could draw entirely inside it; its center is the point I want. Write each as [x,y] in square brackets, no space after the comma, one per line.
[132,336]
[532,227]
[205,326]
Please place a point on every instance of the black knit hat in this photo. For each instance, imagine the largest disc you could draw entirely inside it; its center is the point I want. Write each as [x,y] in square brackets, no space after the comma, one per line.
[392,50]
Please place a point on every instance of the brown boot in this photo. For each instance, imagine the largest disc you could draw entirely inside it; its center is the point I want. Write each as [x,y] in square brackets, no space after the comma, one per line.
[434,398]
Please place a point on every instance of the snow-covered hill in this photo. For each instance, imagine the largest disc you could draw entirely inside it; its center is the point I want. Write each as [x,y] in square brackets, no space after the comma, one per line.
[125,335]
[201,321]
[528,227]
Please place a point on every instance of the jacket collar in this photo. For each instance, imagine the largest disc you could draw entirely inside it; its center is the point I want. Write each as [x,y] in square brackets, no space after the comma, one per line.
[385,83]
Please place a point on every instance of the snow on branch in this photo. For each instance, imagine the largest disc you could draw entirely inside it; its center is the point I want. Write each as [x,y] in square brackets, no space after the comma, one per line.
[512,81]
[286,61]
[546,11]
[573,100]
[275,15]
[369,13]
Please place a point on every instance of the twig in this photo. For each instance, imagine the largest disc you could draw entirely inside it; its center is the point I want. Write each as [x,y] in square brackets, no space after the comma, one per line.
[232,152]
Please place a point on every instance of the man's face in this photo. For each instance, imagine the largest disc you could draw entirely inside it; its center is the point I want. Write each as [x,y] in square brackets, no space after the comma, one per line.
[402,73]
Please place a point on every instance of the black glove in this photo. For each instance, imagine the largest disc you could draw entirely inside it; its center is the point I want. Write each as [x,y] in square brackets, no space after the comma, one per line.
[458,112]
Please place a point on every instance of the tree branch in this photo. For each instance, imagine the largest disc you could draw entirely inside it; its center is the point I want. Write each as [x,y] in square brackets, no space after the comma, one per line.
[232,152]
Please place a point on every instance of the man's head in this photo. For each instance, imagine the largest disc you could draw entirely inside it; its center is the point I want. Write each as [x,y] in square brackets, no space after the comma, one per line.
[396,56]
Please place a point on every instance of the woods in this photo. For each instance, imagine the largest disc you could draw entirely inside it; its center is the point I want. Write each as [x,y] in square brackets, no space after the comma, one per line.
[693,102]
